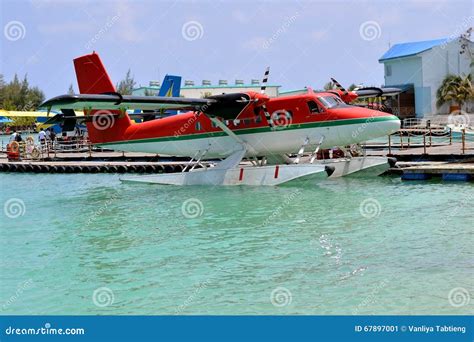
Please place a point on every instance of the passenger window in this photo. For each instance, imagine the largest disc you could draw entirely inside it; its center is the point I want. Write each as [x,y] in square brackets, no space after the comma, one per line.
[198,126]
[258,119]
[313,107]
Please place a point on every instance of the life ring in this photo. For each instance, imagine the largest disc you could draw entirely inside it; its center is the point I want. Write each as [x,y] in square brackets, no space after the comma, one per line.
[14,147]
[35,153]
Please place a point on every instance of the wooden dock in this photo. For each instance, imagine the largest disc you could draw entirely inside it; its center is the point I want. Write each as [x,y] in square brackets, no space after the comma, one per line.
[95,167]
[445,171]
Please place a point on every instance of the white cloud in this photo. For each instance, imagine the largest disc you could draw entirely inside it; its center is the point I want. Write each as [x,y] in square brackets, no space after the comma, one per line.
[62,28]
[256,43]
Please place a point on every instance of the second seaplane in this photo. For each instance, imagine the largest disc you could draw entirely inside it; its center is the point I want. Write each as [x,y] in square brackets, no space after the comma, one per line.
[271,134]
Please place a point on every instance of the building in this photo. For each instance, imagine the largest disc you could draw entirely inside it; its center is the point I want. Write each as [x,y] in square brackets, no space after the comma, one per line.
[419,69]
[207,88]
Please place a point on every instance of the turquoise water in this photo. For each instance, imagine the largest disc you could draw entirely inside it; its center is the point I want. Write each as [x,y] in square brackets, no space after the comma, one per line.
[88,244]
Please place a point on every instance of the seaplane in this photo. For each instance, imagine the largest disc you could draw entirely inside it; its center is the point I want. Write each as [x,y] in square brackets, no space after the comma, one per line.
[247,138]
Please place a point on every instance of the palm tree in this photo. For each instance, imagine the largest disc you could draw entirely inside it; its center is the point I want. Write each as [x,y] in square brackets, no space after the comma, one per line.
[454,88]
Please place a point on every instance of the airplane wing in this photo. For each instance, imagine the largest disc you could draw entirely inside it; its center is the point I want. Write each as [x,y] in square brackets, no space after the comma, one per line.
[60,118]
[227,106]
[376,92]
[115,101]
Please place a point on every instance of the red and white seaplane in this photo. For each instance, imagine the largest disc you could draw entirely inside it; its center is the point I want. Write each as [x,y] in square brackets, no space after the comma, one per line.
[231,127]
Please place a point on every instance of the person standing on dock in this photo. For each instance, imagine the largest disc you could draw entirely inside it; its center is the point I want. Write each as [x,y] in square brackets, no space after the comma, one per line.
[18,137]
[52,135]
[42,136]
[13,136]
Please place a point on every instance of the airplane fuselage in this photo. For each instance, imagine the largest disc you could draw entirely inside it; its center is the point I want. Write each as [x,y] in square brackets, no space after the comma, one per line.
[297,120]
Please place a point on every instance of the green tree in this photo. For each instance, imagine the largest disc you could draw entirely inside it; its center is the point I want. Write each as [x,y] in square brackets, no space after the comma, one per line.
[2,89]
[352,87]
[18,95]
[455,89]
[329,85]
[34,98]
[22,121]
[126,85]
[149,92]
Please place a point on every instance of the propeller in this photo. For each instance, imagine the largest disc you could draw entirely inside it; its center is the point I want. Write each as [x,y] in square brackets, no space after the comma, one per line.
[339,86]
[262,91]
[264,81]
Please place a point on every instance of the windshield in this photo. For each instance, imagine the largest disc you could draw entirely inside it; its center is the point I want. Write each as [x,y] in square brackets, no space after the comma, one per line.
[330,101]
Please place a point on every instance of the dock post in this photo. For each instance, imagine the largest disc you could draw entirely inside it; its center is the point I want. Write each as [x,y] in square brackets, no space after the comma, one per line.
[408,142]
[430,136]
[389,144]
[401,140]
[424,143]
[450,136]
[90,151]
[463,139]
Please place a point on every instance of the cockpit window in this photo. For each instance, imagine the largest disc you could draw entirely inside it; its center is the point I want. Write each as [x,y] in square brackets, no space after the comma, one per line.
[331,101]
[313,107]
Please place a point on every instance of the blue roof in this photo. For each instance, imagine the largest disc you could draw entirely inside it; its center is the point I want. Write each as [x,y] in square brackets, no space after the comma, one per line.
[410,49]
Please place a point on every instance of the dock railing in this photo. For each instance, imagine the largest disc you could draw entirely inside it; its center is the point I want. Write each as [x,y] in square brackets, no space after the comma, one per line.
[406,138]
[32,150]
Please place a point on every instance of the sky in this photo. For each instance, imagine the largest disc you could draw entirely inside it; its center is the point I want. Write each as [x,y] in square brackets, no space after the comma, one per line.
[303,42]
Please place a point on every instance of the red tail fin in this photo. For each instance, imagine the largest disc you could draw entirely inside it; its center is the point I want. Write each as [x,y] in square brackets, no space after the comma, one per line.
[92,78]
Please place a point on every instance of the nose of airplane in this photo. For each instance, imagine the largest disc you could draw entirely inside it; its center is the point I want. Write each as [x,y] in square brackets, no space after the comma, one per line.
[382,125]
[392,124]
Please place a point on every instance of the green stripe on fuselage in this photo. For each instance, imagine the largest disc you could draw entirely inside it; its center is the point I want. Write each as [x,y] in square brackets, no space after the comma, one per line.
[255,130]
